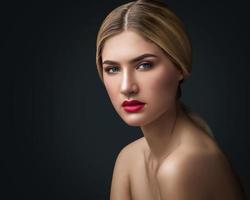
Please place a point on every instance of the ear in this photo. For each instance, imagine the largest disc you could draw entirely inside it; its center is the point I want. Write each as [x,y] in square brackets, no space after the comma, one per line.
[180,75]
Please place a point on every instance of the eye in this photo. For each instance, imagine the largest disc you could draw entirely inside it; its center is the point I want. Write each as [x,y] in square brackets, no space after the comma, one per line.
[111,70]
[145,65]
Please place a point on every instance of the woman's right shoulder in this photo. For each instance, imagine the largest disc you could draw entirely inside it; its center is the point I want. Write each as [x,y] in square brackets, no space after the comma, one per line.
[133,151]
[125,162]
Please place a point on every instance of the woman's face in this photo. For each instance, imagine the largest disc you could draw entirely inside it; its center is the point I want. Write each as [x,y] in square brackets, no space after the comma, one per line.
[137,69]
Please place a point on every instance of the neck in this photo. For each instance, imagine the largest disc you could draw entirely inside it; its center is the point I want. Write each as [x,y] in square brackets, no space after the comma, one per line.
[160,133]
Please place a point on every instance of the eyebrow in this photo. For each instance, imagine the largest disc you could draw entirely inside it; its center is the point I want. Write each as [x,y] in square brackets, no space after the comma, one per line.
[134,60]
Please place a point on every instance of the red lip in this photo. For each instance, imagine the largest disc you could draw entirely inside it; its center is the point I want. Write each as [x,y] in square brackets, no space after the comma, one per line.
[132,106]
[132,103]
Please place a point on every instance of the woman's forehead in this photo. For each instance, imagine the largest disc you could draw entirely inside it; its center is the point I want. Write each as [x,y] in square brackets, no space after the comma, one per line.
[128,45]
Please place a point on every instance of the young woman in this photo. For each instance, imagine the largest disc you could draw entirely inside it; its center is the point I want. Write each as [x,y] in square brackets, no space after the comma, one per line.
[143,55]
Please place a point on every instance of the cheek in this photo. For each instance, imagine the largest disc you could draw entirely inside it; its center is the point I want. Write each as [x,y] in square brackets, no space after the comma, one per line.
[163,84]
[111,89]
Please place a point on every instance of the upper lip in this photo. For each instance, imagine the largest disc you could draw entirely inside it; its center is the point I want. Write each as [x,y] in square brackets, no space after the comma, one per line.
[132,102]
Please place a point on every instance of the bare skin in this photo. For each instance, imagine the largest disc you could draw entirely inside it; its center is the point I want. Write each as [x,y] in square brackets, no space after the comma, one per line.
[195,169]
[175,160]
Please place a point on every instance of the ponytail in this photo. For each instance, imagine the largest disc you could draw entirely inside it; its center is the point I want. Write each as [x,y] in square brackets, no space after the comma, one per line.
[197,119]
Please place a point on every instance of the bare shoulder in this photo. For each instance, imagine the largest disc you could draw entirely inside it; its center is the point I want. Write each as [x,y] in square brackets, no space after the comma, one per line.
[130,154]
[125,161]
[198,171]
[133,151]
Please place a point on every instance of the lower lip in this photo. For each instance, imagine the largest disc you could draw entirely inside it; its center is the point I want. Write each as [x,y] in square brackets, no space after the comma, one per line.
[133,108]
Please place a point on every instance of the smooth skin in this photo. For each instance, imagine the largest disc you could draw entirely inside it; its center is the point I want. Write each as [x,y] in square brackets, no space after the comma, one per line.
[175,160]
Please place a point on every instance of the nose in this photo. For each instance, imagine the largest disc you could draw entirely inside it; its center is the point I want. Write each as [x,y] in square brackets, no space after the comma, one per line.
[128,85]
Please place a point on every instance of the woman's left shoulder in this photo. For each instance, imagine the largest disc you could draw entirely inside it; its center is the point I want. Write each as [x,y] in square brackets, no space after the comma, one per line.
[201,172]
[188,159]
[198,149]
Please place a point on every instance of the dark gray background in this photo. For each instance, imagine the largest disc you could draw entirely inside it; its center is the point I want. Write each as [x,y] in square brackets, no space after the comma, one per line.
[62,134]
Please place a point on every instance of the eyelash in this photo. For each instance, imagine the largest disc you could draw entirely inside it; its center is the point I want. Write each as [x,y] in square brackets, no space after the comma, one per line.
[145,63]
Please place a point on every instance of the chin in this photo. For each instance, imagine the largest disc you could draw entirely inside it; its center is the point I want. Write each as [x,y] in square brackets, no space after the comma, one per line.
[134,124]
[136,121]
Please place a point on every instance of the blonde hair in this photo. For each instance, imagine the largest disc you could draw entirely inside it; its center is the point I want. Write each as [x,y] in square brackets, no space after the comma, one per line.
[154,21]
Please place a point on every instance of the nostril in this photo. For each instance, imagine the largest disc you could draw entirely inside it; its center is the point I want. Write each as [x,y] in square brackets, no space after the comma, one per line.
[129,89]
